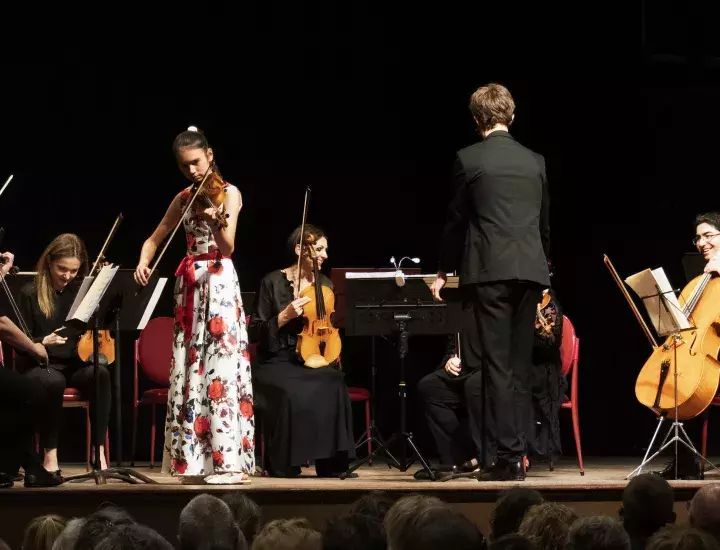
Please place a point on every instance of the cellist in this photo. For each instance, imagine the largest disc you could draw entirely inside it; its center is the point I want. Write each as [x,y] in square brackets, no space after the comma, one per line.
[707,242]
[24,404]
[305,412]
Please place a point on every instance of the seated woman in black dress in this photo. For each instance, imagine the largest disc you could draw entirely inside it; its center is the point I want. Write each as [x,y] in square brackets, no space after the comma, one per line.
[305,412]
[45,304]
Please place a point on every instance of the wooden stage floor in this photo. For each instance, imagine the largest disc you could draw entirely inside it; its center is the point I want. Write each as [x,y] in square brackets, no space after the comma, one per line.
[602,474]
[599,491]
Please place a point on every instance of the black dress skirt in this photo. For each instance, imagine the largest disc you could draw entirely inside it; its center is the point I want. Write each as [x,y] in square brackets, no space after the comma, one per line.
[305,413]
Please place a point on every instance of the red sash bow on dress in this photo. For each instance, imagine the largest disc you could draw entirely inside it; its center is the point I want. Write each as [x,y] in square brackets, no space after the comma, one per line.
[186,270]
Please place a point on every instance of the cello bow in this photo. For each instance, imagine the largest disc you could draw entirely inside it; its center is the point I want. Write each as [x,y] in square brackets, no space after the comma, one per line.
[643,324]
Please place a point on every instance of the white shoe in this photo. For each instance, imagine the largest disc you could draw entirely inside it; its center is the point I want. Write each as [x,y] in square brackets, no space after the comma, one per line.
[228,478]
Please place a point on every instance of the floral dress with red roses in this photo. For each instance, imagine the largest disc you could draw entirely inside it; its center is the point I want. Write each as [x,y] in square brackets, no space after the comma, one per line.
[209,427]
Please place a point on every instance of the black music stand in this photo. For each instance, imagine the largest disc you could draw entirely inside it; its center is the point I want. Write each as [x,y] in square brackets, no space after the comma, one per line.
[338,278]
[121,307]
[378,306]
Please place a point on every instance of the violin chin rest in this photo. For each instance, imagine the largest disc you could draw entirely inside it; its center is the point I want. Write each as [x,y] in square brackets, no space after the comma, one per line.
[316,361]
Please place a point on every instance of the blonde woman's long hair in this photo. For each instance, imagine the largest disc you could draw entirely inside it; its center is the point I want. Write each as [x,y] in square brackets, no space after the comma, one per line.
[66,245]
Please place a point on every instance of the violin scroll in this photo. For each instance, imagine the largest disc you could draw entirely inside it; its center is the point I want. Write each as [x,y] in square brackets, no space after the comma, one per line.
[211,194]
[543,318]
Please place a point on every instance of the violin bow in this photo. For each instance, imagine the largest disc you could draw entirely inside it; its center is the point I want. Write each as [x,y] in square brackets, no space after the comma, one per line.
[3,282]
[6,184]
[302,242]
[182,217]
[13,270]
[101,256]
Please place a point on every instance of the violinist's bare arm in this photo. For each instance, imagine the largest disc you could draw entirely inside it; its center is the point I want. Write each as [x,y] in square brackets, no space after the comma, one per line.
[225,238]
[166,225]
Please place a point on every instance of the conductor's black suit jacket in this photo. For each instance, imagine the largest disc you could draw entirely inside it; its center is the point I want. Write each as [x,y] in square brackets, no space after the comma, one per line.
[498,227]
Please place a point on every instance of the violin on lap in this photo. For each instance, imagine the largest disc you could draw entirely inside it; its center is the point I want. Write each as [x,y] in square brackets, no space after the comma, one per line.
[319,344]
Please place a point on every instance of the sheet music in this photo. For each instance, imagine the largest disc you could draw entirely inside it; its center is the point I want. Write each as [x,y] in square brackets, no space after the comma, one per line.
[666,314]
[452,280]
[84,286]
[152,303]
[370,275]
[92,297]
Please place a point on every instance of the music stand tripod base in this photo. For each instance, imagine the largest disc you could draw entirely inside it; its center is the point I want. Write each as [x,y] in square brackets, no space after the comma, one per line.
[101,476]
[120,294]
[379,306]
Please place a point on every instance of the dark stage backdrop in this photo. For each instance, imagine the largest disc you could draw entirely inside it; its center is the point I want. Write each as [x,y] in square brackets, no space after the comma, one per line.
[369,111]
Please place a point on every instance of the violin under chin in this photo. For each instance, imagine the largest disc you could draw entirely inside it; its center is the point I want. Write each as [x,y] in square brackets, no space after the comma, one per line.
[316,361]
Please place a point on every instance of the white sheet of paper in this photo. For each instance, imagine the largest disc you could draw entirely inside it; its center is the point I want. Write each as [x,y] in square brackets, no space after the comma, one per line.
[92,298]
[84,286]
[370,275]
[152,303]
[666,314]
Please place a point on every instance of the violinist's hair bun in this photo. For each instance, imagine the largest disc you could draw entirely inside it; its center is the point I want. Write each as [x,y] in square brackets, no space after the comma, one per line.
[193,129]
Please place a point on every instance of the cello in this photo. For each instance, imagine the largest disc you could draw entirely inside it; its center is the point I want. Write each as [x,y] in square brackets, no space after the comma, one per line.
[694,353]
[319,344]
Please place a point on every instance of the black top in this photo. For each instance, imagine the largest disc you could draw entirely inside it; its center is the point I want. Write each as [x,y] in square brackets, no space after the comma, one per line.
[275,293]
[498,221]
[40,326]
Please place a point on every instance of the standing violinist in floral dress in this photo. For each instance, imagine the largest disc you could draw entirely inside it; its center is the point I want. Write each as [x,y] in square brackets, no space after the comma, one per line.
[210,426]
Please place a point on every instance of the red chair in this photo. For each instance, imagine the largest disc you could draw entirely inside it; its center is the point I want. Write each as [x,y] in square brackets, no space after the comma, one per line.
[358,395]
[72,399]
[153,353]
[570,355]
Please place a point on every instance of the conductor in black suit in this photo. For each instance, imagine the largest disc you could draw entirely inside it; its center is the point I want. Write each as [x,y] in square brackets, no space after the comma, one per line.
[497,237]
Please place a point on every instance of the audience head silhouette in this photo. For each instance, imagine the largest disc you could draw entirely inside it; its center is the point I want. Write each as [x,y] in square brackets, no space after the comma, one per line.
[510,510]
[206,523]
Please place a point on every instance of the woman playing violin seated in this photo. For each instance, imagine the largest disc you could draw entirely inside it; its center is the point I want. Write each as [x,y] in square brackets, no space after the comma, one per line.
[45,304]
[305,412]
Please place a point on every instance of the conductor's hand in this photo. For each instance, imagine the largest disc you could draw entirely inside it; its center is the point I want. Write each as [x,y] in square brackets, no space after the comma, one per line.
[440,280]
[453,366]
[40,353]
[53,339]
[10,257]
[295,308]
[142,274]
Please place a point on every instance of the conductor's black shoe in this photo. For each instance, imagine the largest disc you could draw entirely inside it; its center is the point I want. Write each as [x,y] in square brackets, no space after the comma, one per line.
[464,470]
[438,473]
[502,471]
[446,473]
